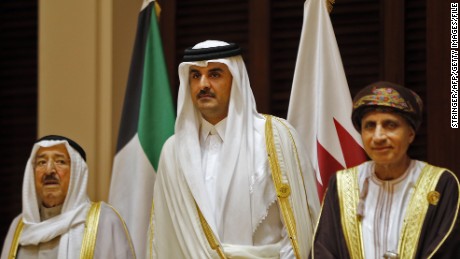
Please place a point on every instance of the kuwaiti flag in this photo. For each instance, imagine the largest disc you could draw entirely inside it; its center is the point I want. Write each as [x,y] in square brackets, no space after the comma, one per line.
[320,105]
[147,121]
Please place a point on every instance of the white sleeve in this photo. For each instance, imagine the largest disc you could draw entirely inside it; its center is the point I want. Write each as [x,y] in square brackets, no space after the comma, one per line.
[113,239]
[9,238]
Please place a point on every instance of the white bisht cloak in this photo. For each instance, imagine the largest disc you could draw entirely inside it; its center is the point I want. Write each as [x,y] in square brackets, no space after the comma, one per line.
[176,229]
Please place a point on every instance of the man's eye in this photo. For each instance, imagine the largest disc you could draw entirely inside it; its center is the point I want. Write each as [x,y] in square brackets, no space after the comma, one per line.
[195,75]
[214,75]
[368,126]
[41,162]
[392,125]
[60,162]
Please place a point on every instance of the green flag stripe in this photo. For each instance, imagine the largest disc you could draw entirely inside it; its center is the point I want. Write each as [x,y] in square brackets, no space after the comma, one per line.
[156,118]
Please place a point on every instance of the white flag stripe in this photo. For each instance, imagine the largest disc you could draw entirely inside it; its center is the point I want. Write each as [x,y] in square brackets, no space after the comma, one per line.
[133,169]
[320,91]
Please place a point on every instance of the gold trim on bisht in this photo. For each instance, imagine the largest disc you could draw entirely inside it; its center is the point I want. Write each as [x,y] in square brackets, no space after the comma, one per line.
[283,189]
[125,228]
[348,191]
[212,240]
[424,194]
[298,161]
[15,243]
[90,234]
[417,209]
[455,216]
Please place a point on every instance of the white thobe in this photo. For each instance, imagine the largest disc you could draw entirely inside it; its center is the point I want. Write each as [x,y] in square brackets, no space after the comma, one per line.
[243,215]
[385,207]
[211,140]
[271,229]
[58,232]
[112,239]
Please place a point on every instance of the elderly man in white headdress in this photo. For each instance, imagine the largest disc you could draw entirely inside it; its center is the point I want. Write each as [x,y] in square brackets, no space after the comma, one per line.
[231,182]
[58,220]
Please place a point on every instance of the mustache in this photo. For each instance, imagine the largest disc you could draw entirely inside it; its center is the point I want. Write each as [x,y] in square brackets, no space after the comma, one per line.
[205,92]
[50,178]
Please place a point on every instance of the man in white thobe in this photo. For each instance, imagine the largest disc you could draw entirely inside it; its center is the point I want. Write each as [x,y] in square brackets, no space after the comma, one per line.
[58,220]
[231,182]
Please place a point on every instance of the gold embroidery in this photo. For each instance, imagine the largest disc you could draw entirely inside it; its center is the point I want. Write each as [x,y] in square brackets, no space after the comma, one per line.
[348,191]
[433,197]
[89,237]
[212,240]
[15,243]
[385,97]
[416,211]
[298,161]
[282,188]
[455,216]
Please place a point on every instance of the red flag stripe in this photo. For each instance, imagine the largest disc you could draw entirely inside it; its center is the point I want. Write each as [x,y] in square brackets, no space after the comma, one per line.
[328,165]
[353,153]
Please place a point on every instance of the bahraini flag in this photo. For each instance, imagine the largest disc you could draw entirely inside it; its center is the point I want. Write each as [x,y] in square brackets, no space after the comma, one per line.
[320,105]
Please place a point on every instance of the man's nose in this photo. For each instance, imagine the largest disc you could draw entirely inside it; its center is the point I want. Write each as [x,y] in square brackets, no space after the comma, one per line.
[379,134]
[204,82]
[50,167]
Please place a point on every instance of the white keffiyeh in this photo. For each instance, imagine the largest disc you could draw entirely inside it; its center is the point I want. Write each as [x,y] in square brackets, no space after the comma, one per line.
[243,215]
[69,224]
[238,151]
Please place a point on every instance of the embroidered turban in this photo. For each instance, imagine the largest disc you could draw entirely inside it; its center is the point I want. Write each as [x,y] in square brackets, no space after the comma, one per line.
[387,97]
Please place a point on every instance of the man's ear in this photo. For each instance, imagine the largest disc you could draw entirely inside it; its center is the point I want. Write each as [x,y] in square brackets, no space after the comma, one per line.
[411,135]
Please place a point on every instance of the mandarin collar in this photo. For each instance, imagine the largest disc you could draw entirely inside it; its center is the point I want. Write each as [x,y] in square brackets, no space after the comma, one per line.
[207,128]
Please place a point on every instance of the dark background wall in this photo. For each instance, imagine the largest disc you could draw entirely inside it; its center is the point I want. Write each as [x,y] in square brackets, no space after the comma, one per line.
[404,41]
[18,101]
